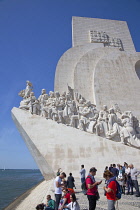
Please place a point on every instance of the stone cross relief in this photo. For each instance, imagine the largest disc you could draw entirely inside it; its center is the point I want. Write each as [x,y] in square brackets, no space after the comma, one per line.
[102,37]
[71,109]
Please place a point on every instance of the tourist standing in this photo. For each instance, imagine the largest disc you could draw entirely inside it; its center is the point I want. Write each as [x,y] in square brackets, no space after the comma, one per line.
[82,173]
[115,171]
[70,181]
[121,179]
[110,189]
[58,172]
[110,167]
[106,168]
[92,189]
[129,183]
[134,173]
[58,188]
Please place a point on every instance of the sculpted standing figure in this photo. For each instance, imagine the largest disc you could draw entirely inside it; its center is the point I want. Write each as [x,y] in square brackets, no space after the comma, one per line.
[127,133]
[47,110]
[84,114]
[42,100]
[36,107]
[102,122]
[69,109]
[60,104]
[99,126]
[54,112]
[32,100]
[29,88]
[114,128]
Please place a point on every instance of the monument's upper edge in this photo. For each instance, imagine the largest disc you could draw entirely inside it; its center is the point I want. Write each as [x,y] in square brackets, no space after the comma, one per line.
[117,32]
[75,17]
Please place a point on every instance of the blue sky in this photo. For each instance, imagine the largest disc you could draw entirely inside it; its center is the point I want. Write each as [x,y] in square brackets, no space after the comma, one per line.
[33,36]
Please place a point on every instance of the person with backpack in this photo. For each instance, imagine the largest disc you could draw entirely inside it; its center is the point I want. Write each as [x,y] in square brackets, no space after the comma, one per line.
[92,189]
[110,189]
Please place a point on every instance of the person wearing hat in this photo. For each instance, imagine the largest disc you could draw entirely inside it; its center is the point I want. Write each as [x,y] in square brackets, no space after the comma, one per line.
[92,189]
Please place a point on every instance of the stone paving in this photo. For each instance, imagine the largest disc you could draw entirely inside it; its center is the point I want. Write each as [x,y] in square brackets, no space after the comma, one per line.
[38,195]
[127,202]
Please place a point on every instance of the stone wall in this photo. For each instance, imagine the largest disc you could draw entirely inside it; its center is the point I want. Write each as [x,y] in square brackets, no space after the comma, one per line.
[60,146]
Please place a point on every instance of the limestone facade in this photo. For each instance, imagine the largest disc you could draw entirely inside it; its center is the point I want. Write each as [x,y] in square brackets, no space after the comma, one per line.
[104,75]
[56,146]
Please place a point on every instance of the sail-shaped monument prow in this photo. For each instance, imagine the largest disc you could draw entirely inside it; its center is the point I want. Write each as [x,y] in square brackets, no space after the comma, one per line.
[56,146]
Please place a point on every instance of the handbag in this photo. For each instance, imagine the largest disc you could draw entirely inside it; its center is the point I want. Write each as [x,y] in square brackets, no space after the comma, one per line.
[97,196]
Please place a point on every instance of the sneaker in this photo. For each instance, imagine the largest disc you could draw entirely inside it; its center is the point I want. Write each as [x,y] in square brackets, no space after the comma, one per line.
[131,193]
[127,193]
[137,195]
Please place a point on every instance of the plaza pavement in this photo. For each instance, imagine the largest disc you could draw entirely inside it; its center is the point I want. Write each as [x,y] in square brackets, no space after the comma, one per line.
[38,195]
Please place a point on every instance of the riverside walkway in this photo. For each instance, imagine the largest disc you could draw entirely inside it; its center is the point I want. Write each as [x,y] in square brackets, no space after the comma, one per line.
[38,195]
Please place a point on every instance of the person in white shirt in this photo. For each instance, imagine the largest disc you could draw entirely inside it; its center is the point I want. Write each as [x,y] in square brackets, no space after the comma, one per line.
[128,181]
[73,205]
[58,188]
[134,173]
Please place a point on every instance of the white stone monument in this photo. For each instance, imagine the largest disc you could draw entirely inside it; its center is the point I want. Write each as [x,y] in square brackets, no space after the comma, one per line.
[95,122]
[103,70]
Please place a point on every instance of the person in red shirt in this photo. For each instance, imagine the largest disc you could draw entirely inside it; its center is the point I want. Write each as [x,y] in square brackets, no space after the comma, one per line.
[92,189]
[110,189]
[66,198]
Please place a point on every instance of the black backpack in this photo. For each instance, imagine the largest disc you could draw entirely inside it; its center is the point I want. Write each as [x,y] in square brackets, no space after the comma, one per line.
[119,191]
[83,186]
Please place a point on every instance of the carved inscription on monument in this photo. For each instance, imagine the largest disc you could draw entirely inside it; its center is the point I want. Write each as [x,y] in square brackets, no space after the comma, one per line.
[102,37]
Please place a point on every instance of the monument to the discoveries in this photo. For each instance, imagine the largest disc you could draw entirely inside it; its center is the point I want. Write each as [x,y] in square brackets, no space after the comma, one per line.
[101,107]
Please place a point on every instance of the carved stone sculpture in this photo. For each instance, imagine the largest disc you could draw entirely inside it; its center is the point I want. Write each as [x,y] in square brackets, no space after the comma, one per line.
[81,114]
[69,110]
[128,133]
[102,123]
[24,104]
[46,110]
[32,101]
[113,126]
[29,88]
[42,100]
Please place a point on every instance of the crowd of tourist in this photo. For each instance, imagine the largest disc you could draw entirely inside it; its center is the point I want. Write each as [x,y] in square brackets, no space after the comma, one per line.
[126,176]
[115,175]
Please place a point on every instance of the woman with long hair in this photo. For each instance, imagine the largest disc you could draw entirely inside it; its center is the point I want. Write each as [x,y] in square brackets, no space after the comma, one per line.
[73,205]
[110,189]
